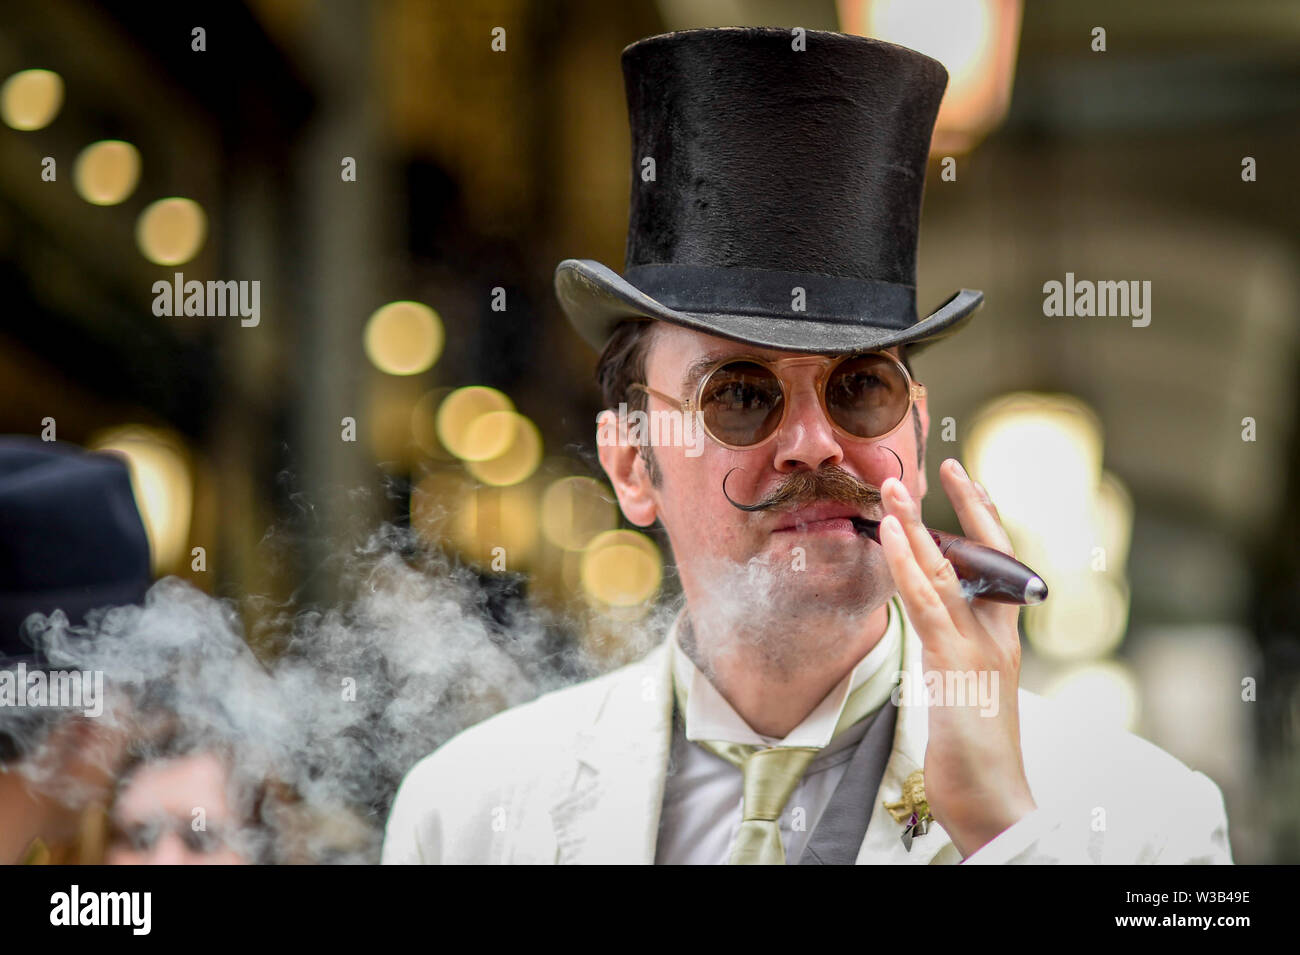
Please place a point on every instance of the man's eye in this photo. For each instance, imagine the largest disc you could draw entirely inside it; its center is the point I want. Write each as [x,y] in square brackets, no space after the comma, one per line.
[140,836]
[859,386]
[201,840]
[740,394]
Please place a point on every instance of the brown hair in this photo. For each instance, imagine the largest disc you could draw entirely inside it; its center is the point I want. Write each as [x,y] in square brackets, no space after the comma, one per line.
[622,363]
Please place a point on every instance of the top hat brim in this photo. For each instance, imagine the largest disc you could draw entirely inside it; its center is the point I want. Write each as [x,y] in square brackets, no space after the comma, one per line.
[596,299]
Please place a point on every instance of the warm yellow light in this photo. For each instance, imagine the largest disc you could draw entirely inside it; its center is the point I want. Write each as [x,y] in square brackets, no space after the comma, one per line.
[975,40]
[31,99]
[621,568]
[163,488]
[1114,508]
[497,526]
[576,509]
[1084,618]
[106,172]
[521,454]
[489,436]
[462,408]
[435,502]
[957,34]
[424,423]
[171,231]
[404,338]
[1104,693]
[1040,458]
[389,414]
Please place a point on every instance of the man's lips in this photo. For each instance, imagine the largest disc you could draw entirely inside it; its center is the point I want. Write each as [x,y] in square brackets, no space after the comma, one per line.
[820,518]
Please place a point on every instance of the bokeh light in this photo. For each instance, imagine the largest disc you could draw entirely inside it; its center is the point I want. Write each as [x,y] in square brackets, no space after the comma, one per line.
[621,568]
[957,34]
[462,408]
[1040,457]
[163,488]
[1114,506]
[1034,452]
[497,526]
[435,500]
[390,401]
[976,40]
[404,338]
[493,526]
[171,231]
[31,99]
[424,423]
[576,509]
[1085,617]
[489,436]
[520,452]
[106,172]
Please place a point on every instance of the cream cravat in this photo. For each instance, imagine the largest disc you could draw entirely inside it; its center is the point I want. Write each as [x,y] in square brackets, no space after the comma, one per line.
[772,773]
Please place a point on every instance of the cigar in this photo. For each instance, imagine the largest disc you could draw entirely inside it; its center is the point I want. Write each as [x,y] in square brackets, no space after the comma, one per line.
[987,573]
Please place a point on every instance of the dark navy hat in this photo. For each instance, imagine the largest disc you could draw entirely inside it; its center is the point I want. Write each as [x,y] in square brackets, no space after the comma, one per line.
[71,538]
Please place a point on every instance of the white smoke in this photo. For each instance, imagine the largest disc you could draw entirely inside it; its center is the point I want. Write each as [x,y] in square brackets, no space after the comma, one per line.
[352,696]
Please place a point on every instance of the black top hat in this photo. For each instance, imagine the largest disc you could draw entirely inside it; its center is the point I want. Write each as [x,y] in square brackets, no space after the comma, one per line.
[775,169]
[71,538]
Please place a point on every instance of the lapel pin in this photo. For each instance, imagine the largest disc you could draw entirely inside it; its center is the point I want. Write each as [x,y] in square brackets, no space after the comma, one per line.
[912,808]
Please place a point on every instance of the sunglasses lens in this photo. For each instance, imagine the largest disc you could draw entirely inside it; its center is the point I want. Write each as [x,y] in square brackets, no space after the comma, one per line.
[867,396]
[741,403]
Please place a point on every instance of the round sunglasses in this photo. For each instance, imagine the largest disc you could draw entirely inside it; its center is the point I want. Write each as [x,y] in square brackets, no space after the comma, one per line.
[742,401]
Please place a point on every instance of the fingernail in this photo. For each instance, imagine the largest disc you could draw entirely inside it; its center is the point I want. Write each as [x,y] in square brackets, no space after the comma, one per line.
[960,470]
[903,501]
[890,525]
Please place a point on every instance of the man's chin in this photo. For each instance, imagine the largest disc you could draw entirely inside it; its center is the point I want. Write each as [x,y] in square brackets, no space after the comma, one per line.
[820,587]
[801,579]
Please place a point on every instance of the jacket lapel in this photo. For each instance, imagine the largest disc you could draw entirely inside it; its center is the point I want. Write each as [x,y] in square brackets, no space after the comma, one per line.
[838,835]
[883,844]
[610,815]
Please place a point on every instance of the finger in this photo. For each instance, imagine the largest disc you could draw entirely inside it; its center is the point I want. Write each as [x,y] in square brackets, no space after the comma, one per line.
[926,610]
[979,521]
[975,510]
[938,569]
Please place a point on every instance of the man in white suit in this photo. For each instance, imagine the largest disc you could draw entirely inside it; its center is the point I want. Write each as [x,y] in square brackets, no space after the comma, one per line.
[768,300]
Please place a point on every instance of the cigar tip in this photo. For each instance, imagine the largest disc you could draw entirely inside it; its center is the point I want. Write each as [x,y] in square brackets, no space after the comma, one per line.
[1035,591]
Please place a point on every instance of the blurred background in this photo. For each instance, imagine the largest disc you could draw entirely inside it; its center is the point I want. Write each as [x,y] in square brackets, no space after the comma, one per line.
[401,178]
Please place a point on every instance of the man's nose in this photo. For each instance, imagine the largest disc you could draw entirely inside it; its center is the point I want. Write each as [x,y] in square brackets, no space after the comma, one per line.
[169,850]
[806,440]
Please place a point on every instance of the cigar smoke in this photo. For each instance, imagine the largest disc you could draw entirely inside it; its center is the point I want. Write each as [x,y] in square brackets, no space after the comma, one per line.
[340,701]
[352,696]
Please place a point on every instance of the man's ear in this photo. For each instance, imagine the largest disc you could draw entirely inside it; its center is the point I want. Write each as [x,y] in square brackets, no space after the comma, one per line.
[626,469]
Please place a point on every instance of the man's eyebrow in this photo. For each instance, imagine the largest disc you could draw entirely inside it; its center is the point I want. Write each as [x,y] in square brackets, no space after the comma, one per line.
[696,369]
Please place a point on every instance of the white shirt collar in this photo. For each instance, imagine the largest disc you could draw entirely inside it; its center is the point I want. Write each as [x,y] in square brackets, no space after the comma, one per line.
[710,717]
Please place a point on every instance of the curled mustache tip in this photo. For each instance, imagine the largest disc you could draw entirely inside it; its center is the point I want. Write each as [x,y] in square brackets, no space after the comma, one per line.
[899,460]
[730,500]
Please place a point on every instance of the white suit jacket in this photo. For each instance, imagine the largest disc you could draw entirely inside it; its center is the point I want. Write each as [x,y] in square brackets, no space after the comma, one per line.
[577,776]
